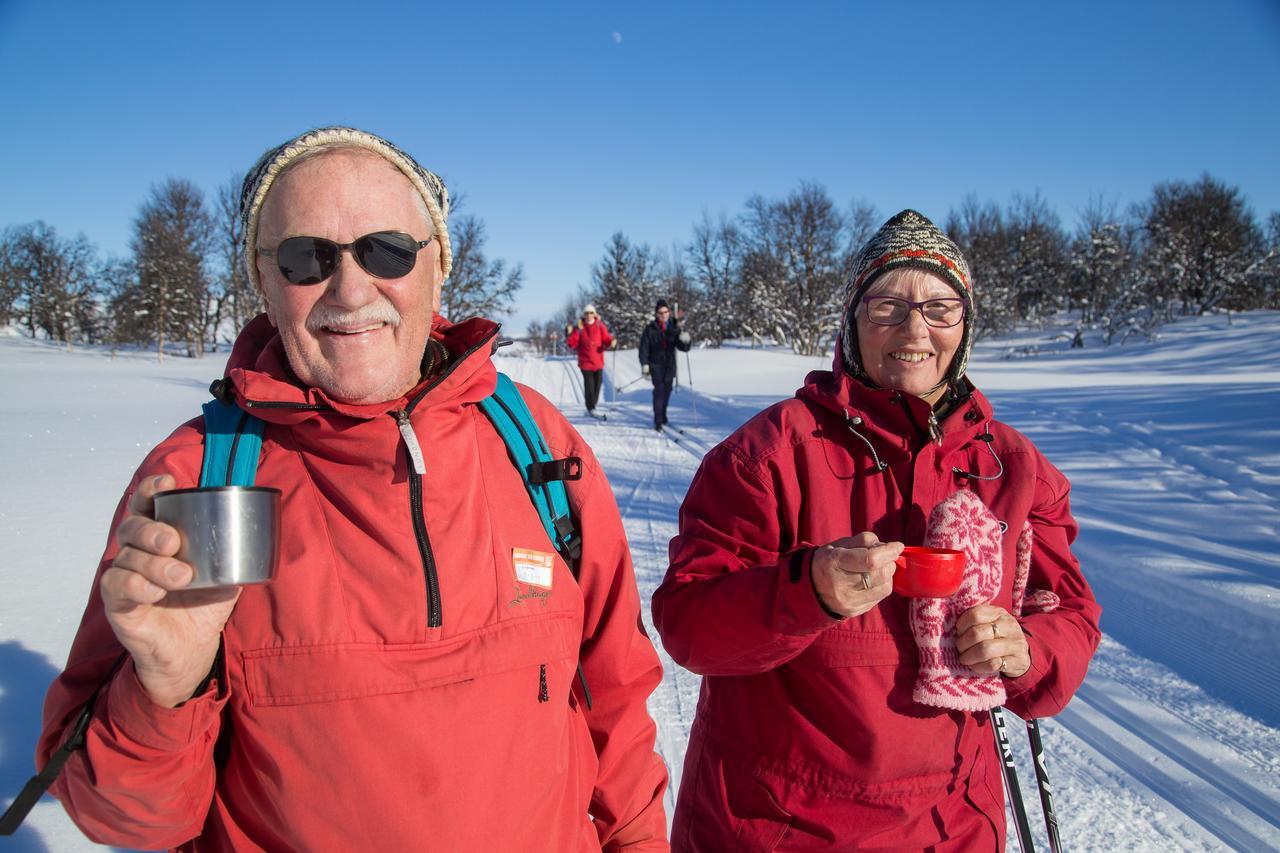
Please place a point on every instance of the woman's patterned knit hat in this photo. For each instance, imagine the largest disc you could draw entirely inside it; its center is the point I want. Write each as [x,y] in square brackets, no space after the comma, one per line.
[908,240]
[257,183]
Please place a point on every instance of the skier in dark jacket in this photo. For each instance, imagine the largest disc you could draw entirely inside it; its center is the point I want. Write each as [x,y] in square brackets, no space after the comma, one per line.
[658,344]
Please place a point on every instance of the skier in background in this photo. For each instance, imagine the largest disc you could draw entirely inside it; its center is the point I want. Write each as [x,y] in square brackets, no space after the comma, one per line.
[658,344]
[590,339]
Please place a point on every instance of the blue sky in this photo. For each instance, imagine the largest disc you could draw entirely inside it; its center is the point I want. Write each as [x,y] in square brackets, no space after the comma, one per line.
[564,122]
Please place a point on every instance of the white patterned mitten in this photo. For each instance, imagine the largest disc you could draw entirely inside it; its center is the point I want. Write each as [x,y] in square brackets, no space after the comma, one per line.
[962,522]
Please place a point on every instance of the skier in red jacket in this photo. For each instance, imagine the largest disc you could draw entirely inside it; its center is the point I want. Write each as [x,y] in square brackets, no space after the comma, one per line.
[407,680]
[590,338]
[835,715]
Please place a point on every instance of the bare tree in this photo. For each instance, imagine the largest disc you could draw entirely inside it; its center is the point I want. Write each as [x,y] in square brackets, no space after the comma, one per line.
[715,257]
[980,231]
[627,282]
[1201,240]
[236,301]
[477,286]
[1038,259]
[50,282]
[172,239]
[799,252]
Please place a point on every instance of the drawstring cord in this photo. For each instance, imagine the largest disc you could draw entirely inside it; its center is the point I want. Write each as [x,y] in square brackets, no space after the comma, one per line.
[986,438]
[852,422]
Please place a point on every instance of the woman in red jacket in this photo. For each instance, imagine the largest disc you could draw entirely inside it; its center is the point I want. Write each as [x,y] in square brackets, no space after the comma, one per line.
[591,338]
[834,715]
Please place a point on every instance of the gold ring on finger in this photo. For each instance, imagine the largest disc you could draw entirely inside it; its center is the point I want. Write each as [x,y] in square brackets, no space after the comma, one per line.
[866,580]
[995,630]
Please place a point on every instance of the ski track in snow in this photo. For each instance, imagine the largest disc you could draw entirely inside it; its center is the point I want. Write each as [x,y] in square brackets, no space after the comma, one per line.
[1173,742]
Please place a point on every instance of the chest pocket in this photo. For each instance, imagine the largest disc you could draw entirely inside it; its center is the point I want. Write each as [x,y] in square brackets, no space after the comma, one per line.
[302,675]
[862,641]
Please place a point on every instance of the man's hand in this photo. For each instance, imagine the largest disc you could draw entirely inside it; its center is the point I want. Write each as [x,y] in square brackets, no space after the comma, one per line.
[644,370]
[989,639]
[172,634]
[854,574]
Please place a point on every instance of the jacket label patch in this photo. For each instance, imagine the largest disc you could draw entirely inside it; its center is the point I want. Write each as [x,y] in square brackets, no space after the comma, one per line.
[533,567]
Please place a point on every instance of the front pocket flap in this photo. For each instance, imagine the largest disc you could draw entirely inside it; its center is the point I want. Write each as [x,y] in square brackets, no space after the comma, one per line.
[296,675]
[839,646]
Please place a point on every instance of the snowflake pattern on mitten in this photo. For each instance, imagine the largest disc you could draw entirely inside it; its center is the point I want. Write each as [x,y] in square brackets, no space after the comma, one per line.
[962,522]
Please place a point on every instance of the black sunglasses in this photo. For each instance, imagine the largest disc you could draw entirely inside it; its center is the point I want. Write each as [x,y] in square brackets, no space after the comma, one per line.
[311,260]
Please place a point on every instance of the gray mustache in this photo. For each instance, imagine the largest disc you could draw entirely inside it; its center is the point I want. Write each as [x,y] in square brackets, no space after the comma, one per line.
[326,316]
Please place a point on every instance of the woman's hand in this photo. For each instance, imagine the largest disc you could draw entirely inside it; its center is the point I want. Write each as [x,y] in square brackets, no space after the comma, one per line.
[852,575]
[989,639]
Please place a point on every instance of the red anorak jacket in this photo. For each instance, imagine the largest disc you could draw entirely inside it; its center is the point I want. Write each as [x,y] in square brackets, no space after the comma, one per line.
[590,340]
[806,736]
[396,686]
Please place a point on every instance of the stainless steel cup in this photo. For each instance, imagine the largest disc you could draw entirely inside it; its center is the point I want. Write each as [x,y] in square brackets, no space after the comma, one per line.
[230,534]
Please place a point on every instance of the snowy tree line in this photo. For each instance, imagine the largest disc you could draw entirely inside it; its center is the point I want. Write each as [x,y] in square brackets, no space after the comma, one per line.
[182,287]
[776,271]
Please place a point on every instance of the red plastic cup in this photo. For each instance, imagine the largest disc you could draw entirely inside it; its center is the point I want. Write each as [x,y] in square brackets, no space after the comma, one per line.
[928,572]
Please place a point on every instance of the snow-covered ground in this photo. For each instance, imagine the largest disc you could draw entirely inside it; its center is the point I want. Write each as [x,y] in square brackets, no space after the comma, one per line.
[1173,449]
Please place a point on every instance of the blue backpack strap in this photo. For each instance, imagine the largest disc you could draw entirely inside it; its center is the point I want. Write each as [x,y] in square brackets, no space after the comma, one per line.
[232,441]
[543,476]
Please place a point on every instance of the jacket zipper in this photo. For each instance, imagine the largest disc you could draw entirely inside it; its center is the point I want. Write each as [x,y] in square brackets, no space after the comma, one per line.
[932,433]
[417,465]
[417,468]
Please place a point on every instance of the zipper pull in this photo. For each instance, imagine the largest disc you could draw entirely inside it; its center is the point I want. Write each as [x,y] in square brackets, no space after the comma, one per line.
[935,429]
[411,442]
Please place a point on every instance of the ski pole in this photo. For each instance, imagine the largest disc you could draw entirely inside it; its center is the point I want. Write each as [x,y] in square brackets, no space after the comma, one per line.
[1042,782]
[675,364]
[1011,782]
[688,368]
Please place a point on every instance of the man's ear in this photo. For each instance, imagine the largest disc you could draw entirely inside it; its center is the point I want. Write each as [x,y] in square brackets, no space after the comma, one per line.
[438,286]
[266,300]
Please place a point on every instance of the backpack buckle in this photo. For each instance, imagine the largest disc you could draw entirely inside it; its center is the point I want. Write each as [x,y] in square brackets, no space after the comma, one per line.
[569,468]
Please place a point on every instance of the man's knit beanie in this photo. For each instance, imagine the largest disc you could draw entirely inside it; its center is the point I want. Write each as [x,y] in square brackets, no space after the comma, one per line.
[907,241]
[258,182]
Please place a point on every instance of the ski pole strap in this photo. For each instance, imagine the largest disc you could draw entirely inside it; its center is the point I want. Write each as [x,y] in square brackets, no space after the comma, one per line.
[232,441]
[1011,782]
[39,783]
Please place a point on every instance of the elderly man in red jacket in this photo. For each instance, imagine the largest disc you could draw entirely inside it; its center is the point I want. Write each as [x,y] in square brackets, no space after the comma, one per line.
[400,684]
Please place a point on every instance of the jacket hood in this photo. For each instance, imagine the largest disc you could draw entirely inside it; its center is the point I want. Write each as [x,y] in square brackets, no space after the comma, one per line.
[259,375]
